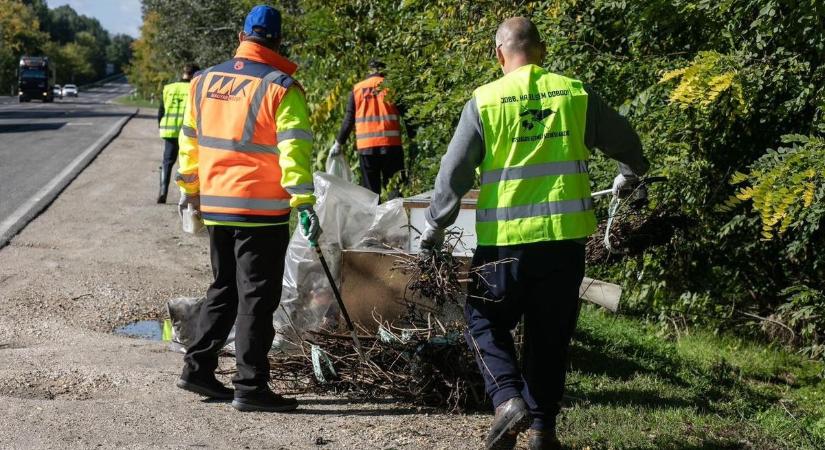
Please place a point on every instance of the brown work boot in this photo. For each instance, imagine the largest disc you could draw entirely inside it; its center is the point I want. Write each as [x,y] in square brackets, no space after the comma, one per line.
[542,440]
[511,419]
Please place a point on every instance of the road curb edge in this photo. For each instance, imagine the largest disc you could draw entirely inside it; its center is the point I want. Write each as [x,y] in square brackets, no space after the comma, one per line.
[38,203]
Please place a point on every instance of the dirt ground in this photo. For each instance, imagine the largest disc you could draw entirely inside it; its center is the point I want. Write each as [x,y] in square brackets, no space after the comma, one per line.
[104,254]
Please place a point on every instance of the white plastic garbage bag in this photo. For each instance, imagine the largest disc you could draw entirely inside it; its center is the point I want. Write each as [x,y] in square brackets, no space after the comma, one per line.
[351,218]
[337,165]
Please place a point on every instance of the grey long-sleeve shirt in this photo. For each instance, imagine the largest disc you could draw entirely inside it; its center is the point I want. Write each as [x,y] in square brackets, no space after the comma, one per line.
[605,129]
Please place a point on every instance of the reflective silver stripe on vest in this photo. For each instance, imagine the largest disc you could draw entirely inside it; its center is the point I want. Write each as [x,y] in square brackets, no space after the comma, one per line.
[189,131]
[199,98]
[244,203]
[386,118]
[255,104]
[172,116]
[168,127]
[187,177]
[533,171]
[294,134]
[235,146]
[537,210]
[390,133]
[301,189]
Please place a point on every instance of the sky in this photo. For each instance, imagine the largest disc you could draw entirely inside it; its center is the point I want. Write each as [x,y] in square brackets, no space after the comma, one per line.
[117,16]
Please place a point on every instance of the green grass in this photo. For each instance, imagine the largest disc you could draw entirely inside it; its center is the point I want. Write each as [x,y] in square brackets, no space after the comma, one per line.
[631,388]
[140,102]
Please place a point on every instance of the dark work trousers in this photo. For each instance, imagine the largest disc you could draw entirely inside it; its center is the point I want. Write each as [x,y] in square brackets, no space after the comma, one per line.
[248,264]
[170,155]
[543,287]
[378,165]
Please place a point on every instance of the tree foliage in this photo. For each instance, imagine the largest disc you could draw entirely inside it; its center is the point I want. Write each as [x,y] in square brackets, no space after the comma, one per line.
[709,86]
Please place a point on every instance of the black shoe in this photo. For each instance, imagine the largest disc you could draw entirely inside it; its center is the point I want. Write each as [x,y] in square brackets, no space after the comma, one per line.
[266,401]
[511,419]
[542,440]
[165,173]
[212,389]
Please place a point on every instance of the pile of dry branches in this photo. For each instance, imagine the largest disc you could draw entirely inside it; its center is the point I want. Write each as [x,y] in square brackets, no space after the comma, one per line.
[417,359]
[424,366]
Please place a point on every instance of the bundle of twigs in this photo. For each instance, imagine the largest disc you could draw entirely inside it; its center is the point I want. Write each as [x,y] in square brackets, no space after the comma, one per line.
[634,231]
[429,366]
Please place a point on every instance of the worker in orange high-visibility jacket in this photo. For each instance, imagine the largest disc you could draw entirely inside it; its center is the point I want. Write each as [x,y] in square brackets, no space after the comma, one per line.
[377,123]
[244,163]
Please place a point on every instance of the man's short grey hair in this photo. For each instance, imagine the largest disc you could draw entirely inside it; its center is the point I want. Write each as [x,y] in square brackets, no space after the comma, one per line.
[518,35]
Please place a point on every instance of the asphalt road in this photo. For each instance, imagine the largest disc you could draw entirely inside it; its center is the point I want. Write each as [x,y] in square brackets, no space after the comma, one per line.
[38,140]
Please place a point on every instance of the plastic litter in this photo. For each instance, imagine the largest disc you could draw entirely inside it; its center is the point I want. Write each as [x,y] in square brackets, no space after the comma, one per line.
[337,165]
[322,366]
[191,220]
[183,312]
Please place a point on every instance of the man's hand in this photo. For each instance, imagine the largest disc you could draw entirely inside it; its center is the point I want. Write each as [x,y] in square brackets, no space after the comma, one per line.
[431,240]
[310,224]
[186,200]
[336,149]
[624,186]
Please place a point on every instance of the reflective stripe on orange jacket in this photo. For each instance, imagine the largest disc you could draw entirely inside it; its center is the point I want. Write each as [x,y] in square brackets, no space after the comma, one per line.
[377,121]
[246,144]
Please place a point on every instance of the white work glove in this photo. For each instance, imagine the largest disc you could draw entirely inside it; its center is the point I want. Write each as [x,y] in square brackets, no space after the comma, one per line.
[335,150]
[431,240]
[186,200]
[624,185]
[309,224]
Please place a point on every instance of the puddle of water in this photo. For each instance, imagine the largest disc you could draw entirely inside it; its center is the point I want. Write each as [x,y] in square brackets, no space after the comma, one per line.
[153,330]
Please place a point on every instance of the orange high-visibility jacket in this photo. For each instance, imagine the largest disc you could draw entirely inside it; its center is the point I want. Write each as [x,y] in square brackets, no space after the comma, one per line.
[377,121]
[246,142]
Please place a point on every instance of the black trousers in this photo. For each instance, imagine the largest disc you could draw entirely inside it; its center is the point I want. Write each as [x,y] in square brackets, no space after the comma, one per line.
[248,264]
[543,287]
[378,165]
[170,155]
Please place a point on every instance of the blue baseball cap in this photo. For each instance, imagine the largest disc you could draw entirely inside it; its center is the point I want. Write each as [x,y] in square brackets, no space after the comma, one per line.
[267,19]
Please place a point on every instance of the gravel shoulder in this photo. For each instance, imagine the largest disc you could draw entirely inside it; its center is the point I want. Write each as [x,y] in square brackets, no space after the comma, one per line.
[104,254]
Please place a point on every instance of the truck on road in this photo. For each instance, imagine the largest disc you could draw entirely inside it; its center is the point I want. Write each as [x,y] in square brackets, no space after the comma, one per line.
[35,79]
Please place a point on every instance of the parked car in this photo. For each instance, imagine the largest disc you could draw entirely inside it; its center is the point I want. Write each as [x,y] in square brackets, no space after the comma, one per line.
[58,91]
[70,90]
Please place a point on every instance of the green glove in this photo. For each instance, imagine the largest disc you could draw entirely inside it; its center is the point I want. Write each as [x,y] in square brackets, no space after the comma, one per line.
[310,225]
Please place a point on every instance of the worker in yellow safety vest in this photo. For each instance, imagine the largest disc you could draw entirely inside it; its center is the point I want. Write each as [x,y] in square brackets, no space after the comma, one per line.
[529,134]
[245,162]
[170,120]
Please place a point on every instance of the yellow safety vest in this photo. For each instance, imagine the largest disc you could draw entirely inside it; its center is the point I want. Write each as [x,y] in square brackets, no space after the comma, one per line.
[534,181]
[174,102]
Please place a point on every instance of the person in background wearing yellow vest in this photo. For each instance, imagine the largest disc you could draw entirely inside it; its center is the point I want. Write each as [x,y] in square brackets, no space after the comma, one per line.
[245,162]
[377,123]
[530,134]
[170,119]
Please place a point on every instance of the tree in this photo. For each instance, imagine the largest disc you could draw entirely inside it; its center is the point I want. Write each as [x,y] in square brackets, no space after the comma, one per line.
[119,51]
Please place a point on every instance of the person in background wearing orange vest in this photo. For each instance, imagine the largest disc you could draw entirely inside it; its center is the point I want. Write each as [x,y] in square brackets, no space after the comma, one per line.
[245,161]
[377,123]
[170,119]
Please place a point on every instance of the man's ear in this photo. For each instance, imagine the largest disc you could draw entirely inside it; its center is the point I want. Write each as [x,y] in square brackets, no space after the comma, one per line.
[500,57]
[241,36]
